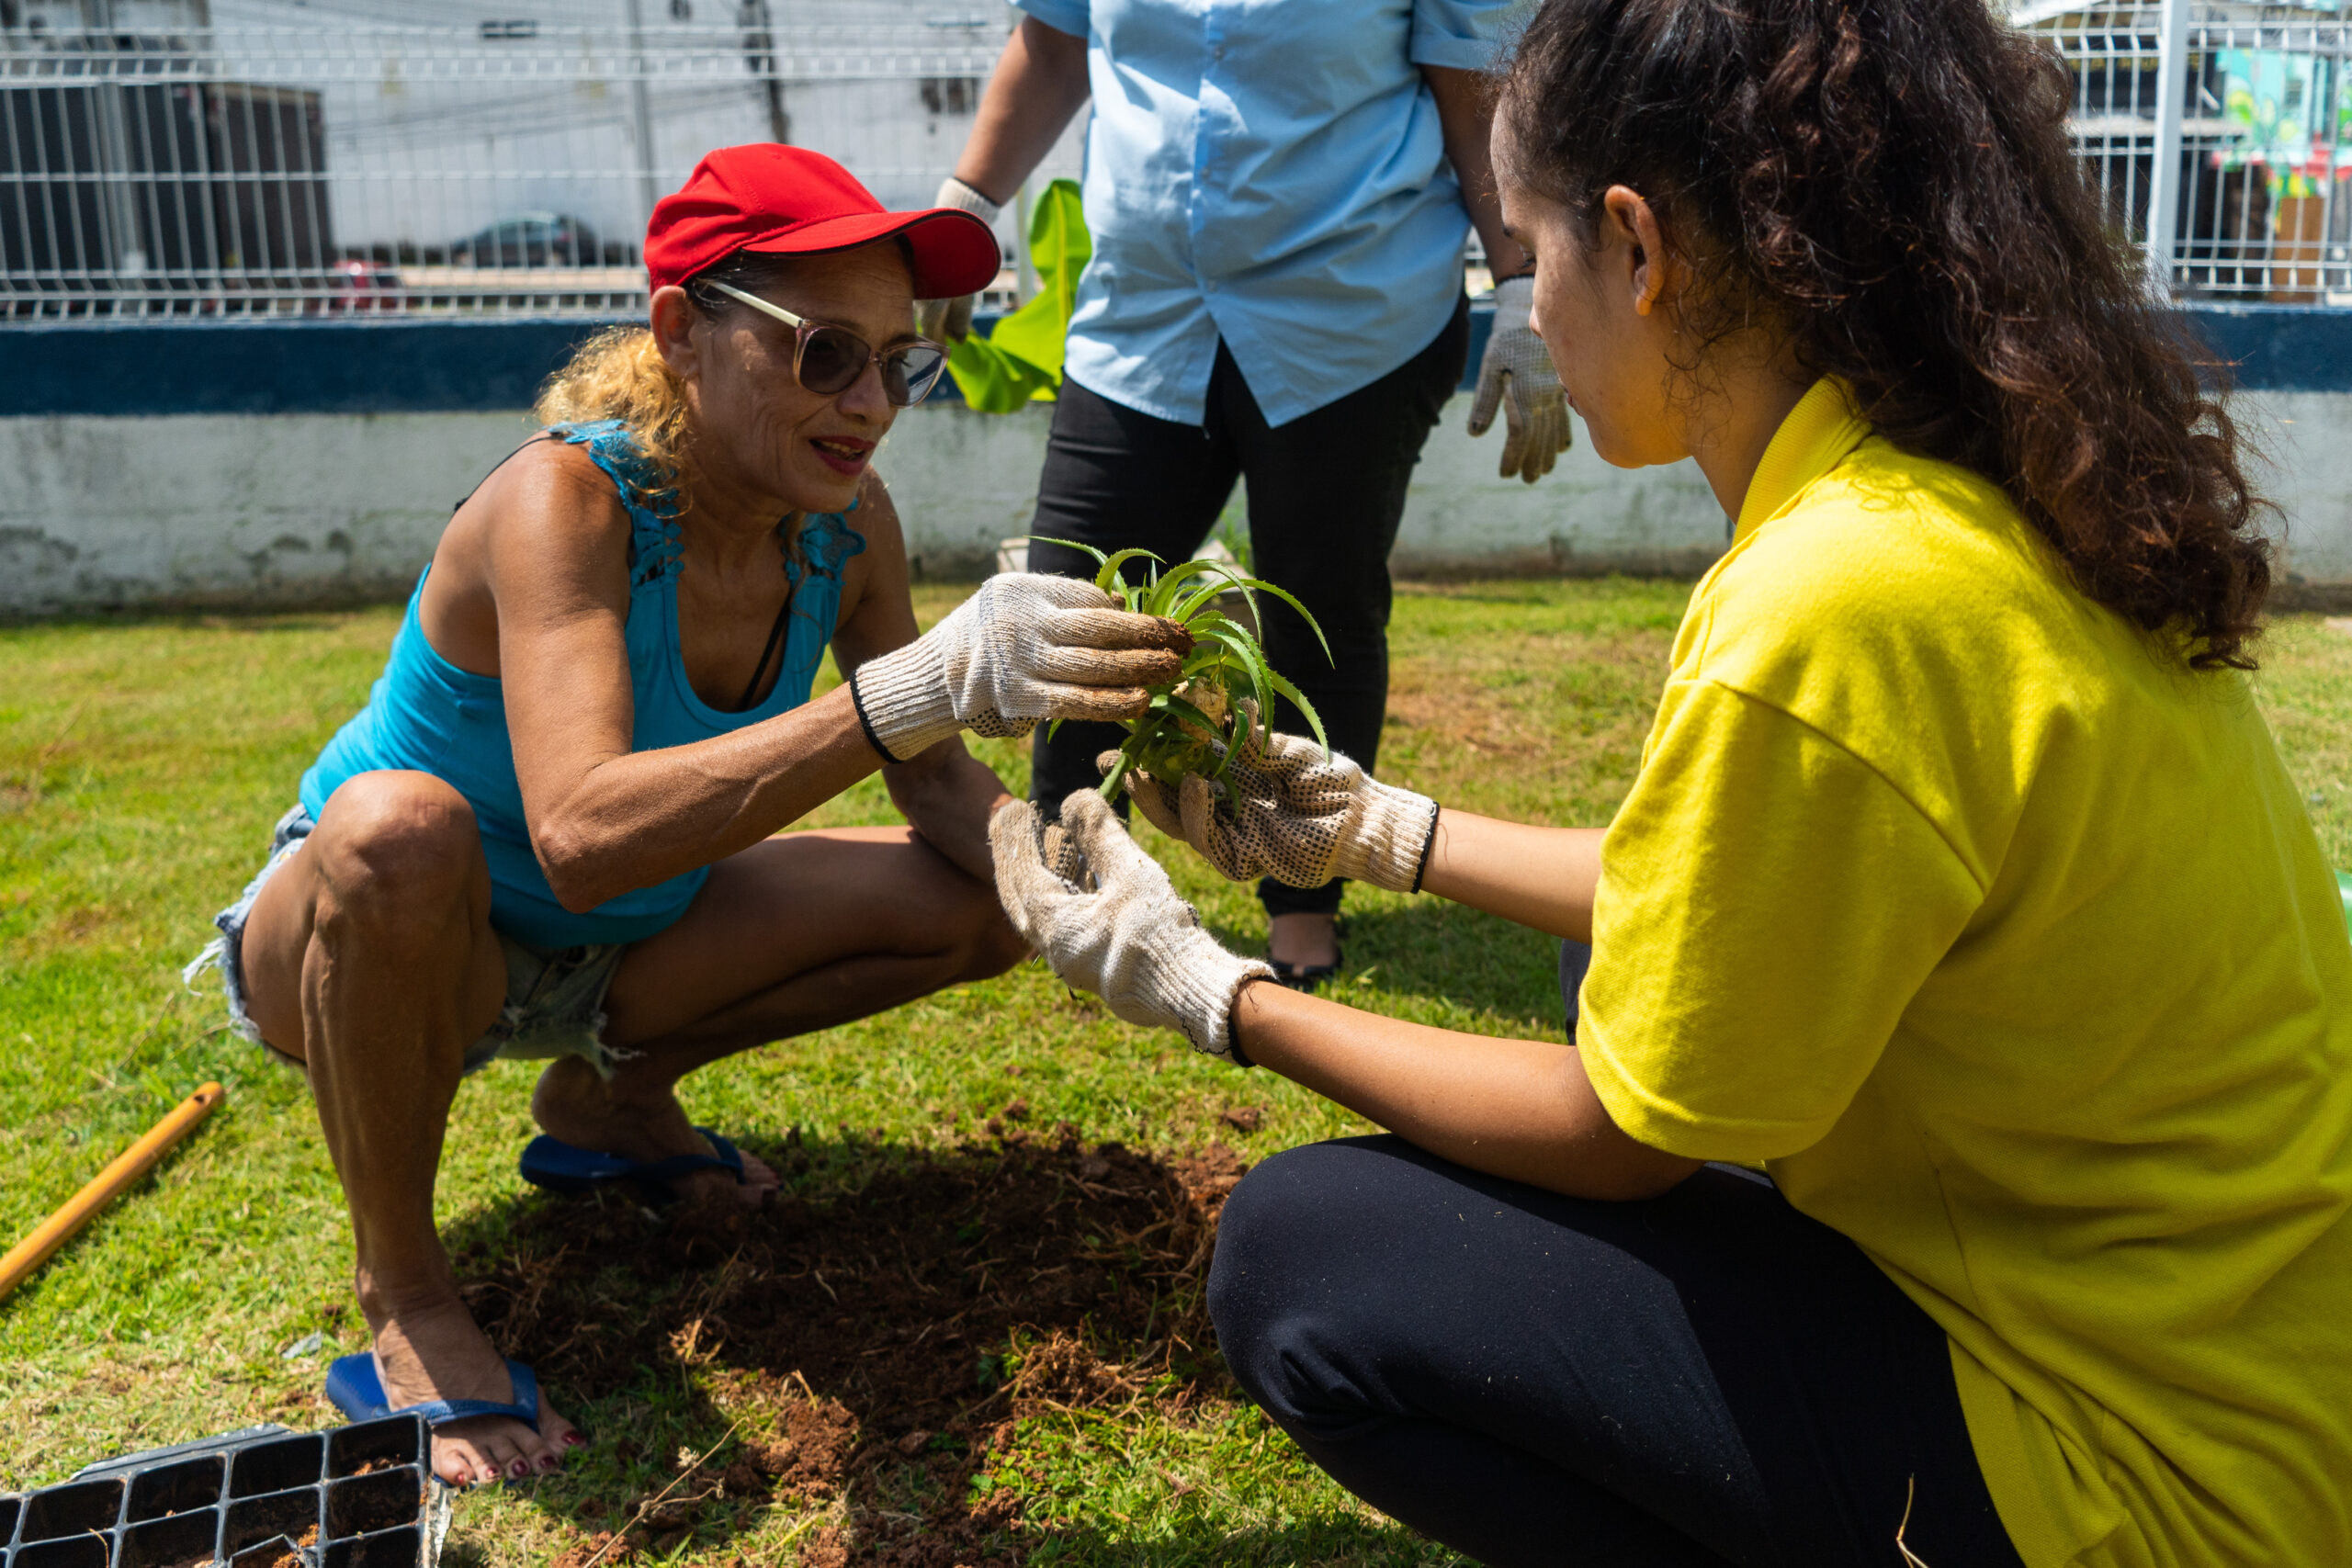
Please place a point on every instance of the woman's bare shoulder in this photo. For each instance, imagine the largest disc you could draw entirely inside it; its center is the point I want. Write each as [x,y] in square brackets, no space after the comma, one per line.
[551,487]
[875,522]
[545,519]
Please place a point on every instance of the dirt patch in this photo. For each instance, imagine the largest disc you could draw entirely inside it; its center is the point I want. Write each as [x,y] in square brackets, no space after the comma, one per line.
[600,1548]
[881,1326]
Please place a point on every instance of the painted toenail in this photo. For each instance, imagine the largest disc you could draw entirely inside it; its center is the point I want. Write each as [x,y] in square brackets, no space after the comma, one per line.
[518,1469]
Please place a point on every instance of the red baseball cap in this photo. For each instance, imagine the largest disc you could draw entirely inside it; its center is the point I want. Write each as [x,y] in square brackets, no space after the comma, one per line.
[782,200]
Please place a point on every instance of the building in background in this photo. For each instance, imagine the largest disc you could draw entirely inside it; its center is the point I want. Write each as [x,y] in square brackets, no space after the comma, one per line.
[196,156]
[2251,121]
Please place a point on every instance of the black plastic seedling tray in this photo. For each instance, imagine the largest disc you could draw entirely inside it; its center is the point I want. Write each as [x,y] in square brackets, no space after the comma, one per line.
[354,1497]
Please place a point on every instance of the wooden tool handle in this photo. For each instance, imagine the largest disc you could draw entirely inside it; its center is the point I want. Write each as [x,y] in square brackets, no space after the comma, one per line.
[135,1162]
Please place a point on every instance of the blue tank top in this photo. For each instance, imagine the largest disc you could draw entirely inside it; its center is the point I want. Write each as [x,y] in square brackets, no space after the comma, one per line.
[428,715]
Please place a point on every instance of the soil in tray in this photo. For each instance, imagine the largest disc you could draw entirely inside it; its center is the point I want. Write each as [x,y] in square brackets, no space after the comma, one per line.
[867,1313]
[377,1503]
[293,1558]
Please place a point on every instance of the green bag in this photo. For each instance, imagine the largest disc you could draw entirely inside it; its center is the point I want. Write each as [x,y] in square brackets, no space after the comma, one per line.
[1021,359]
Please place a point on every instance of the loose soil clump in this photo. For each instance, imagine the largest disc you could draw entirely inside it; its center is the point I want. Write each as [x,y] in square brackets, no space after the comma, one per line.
[880,1327]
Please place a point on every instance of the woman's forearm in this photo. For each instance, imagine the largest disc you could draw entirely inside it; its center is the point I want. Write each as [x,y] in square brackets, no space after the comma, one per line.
[1519,1109]
[1542,877]
[947,796]
[1038,83]
[641,818]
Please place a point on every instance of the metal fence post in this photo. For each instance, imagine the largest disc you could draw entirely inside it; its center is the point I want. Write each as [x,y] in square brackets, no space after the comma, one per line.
[126,253]
[2163,190]
[1024,269]
[640,104]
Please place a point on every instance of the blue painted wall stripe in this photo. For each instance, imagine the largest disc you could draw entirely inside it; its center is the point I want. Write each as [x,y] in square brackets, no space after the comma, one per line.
[2278,348]
[412,366]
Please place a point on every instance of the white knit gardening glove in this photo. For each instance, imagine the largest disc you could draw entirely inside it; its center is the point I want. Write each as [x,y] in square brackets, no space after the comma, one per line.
[950,321]
[1517,372]
[1292,814]
[1116,929]
[1026,647]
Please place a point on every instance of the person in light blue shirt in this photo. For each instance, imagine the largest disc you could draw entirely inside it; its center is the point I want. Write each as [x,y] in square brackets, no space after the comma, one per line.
[1278,193]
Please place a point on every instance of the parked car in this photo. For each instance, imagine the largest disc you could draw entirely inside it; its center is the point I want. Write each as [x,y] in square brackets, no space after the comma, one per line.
[366,286]
[530,239]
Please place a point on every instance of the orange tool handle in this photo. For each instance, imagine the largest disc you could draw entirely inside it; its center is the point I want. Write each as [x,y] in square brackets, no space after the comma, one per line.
[134,1162]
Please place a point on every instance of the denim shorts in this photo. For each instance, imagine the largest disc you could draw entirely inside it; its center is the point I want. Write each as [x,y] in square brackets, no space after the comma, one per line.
[555,996]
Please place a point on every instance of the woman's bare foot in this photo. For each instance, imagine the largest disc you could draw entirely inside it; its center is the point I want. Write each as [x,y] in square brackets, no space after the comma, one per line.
[575,1106]
[433,1349]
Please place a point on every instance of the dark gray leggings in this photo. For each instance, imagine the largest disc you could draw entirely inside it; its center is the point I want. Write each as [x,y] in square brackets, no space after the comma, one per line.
[1708,1377]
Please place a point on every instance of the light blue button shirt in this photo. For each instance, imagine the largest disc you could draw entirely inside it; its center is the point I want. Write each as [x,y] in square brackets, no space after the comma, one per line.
[1271,172]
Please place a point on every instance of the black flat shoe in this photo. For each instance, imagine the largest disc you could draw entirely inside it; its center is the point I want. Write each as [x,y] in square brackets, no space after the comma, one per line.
[1306,978]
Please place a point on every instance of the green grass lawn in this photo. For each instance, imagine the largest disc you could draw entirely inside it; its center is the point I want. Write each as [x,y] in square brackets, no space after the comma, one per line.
[140,767]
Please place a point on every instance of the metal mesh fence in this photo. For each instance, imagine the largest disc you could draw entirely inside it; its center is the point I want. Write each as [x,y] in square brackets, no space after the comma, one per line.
[506,165]
[191,161]
[2222,137]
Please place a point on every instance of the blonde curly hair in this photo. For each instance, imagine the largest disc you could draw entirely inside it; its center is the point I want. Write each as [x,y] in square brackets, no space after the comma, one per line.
[619,374]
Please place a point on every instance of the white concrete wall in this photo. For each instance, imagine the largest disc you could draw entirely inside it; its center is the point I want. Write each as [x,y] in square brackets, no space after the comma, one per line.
[296,509]
[2307,439]
[231,510]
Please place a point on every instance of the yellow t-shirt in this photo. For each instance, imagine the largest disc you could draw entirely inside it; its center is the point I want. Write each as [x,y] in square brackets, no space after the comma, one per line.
[2003,938]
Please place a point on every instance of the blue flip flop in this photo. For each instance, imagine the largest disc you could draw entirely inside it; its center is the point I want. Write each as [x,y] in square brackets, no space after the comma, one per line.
[566,1167]
[358,1390]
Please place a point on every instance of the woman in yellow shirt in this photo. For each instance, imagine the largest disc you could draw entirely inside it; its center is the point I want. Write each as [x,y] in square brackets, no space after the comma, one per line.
[1961,890]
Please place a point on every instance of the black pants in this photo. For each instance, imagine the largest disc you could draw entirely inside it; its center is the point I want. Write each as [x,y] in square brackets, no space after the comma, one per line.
[1326,493]
[1707,1377]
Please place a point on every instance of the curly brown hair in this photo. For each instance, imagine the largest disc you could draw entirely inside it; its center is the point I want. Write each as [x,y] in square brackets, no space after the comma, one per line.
[1891,181]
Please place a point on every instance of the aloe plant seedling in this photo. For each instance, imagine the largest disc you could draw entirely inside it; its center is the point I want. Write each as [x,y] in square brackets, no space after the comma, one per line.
[1173,736]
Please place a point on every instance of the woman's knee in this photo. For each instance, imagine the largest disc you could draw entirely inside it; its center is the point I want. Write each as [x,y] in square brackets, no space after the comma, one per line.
[981,941]
[994,947]
[1278,1280]
[398,853]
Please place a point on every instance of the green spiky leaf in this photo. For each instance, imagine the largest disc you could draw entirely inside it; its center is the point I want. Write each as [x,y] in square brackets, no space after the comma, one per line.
[1297,699]
[1111,573]
[1173,736]
[1069,545]
[1265,587]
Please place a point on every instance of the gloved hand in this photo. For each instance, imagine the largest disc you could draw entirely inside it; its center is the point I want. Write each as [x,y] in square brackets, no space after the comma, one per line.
[1517,372]
[950,321]
[1116,928]
[1025,647]
[1294,815]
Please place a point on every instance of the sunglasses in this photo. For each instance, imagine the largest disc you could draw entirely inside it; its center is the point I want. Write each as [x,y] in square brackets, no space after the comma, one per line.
[826,360]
